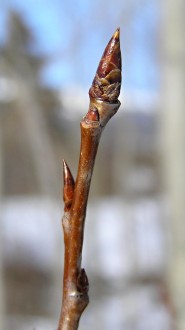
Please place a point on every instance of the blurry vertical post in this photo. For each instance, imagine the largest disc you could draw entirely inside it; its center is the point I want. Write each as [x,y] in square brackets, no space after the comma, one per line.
[104,103]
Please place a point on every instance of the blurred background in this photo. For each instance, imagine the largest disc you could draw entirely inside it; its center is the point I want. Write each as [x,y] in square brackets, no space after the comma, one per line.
[134,249]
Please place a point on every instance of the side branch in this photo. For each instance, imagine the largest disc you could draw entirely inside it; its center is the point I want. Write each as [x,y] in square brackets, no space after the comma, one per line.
[104,104]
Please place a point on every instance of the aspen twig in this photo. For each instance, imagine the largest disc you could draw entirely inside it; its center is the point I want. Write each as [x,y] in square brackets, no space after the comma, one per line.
[104,103]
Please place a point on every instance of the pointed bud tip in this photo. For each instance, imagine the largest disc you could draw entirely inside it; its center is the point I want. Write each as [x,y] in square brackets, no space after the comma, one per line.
[65,168]
[68,189]
[116,34]
[64,163]
[68,178]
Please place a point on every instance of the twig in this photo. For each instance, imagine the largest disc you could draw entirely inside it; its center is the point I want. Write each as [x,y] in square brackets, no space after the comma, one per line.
[104,103]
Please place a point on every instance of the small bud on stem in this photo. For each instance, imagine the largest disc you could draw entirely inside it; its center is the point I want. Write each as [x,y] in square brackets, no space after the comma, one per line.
[68,189]
[92,115]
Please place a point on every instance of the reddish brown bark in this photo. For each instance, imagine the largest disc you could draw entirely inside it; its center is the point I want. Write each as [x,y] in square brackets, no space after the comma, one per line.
[104,104]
